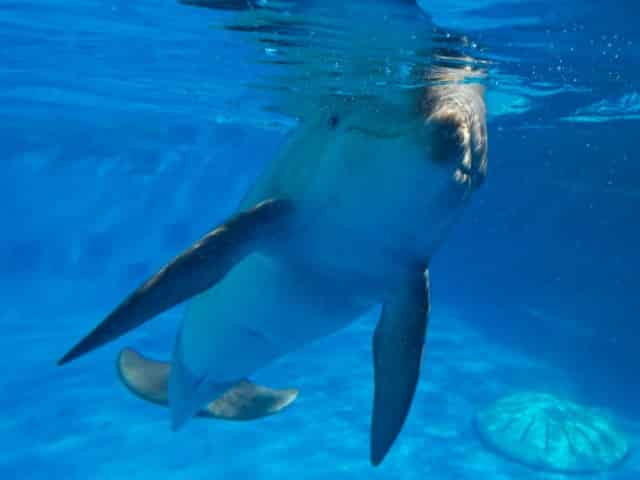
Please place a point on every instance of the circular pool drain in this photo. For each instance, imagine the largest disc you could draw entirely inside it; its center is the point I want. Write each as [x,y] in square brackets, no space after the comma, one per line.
[548,433]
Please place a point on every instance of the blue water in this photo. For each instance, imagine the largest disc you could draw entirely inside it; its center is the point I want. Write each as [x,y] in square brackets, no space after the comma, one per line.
[127,130]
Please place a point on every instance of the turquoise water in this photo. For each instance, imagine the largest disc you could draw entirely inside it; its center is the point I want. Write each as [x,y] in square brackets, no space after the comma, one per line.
[130,129]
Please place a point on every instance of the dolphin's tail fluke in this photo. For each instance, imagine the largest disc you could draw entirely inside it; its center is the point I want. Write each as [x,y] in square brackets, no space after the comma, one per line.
[148,379]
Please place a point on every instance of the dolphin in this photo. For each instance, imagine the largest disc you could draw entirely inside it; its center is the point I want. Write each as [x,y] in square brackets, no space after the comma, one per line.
[345,218]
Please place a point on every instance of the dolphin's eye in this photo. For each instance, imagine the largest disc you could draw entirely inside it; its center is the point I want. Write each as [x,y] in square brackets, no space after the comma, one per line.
[333,121]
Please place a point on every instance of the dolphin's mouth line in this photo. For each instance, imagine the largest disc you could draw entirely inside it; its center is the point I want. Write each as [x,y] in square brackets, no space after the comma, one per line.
[255,333]
[380,134]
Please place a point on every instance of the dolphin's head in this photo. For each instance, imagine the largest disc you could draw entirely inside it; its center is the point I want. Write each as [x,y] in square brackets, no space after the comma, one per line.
[453,146]
[455,122]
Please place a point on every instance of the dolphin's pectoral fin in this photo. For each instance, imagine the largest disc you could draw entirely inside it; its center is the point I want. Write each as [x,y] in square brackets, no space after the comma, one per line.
[148,379]
[397,352]
[192,272]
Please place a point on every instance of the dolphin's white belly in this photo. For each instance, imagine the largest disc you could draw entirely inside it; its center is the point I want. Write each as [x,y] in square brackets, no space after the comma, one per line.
[259,312]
